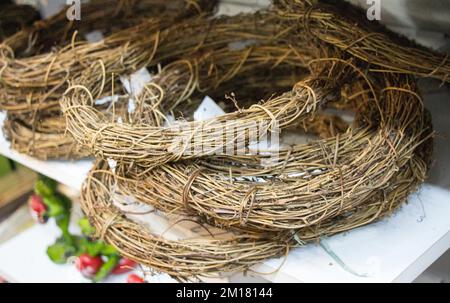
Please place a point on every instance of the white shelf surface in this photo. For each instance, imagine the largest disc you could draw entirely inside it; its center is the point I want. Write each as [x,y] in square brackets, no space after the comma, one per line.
[69,173]
[395,249]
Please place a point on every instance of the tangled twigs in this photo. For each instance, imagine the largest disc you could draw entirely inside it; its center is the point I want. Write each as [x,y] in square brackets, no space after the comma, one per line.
[310,183]
[343,181]
[149,145]
[36,81]
[33,76]
[345,27]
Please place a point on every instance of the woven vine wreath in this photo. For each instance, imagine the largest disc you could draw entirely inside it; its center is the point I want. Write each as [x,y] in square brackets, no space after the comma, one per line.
[347,28]
[316,189]
[144,50]
[33,76]
[126,142]
[345,181]
[335,175]
[246,247]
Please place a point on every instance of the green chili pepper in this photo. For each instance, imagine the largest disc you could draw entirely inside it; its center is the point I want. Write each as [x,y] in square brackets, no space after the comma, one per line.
[109,250]
[60,251]
[86,228]
[45,186]
[63,224]
[55,206]
[106,268]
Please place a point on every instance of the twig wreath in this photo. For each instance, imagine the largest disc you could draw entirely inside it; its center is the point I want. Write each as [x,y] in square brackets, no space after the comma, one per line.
[33,74]
[270,217]
[149,146]
[316,189]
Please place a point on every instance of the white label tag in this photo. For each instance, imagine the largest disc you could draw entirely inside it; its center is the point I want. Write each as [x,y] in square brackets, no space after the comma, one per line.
[107,99]
[131,105]
[94,36]
[134,83]
[112,164]
[170,119]
[208,109]
[49,8]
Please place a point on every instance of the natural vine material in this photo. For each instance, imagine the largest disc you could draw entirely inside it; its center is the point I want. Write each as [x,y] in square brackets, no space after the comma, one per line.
[346,27]
[348,179]
[160,46]
[33,77]
[36,81]
[225,251]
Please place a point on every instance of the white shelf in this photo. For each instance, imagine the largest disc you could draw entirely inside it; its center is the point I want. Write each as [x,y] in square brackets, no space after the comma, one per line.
[396,249]
[69,173]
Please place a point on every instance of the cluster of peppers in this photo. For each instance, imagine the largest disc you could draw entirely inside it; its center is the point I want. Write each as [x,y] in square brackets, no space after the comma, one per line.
[94,258]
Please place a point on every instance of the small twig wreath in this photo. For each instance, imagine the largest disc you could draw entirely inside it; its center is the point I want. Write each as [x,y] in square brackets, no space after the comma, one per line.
[33,76]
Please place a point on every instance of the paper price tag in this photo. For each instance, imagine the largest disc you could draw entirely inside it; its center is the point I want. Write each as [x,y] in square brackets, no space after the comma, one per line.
[94,36]
[49,8]
[134,84]
[208,109]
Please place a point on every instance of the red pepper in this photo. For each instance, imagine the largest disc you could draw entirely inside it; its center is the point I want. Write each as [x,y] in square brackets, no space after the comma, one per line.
[38,209]
[125,265]
[88,265]
[135,279]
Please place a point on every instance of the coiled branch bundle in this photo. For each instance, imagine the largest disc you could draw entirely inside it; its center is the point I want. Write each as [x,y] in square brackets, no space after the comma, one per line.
[330,185]
[34,71]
